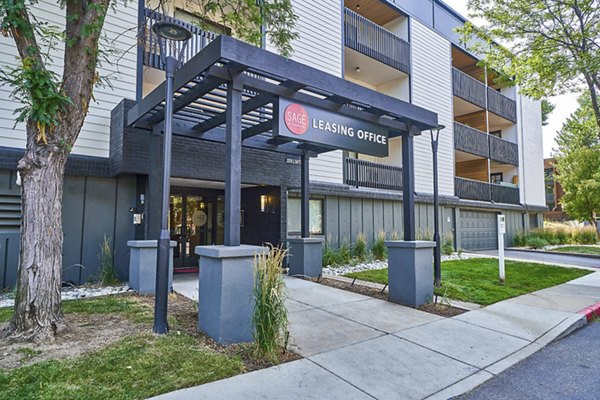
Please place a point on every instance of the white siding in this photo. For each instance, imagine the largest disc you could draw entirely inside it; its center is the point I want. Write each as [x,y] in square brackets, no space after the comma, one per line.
[531,153]
[119,29]
[320,46]
[432,89]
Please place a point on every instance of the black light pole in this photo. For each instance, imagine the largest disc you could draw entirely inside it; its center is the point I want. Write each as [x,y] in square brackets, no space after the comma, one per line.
[169,35]
[437,254]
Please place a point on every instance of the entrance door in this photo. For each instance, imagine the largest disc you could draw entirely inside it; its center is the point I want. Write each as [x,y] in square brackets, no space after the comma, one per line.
[192,223]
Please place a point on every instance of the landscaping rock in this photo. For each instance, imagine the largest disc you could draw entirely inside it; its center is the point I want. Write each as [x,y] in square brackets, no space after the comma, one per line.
[73,293]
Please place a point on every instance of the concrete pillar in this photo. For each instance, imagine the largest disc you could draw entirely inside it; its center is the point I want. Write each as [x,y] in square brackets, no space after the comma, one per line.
[226,300]
[410,272]
[305,256]
[142,265]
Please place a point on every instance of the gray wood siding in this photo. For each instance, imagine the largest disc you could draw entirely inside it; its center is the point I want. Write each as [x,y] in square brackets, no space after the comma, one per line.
[92,208]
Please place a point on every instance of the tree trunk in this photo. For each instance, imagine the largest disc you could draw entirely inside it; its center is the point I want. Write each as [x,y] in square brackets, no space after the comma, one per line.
[38,315]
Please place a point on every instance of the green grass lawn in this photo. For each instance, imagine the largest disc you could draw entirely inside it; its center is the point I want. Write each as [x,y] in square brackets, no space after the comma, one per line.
[138,366]
[476,280]
[578,250]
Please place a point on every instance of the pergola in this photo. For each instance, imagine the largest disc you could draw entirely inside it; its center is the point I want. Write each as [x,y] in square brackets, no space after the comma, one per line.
[227,92]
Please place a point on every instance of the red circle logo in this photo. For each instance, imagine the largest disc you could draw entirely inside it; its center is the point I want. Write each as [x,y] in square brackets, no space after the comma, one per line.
[296,119]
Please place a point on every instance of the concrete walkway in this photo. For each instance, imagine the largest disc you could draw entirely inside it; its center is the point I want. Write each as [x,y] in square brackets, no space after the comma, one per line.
[357,347]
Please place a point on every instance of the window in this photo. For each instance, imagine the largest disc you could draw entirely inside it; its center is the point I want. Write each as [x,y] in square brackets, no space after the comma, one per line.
[498,134]
[294,216]
[203,23]
[496,177]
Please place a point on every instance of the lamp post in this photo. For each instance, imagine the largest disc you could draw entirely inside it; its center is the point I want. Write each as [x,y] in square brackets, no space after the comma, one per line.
[172,39]
[437,253]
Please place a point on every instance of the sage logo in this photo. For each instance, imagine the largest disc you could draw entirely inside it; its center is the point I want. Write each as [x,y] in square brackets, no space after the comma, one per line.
[296,119]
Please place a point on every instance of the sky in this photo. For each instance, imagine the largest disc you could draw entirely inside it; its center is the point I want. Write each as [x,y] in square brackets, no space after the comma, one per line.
[565,104]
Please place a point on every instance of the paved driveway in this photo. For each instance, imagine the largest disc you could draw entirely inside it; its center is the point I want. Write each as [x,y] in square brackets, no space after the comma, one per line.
[557,258]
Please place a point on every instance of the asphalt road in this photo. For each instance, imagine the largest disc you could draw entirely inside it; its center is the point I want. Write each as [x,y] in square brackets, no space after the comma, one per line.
[548,257]
[565,370]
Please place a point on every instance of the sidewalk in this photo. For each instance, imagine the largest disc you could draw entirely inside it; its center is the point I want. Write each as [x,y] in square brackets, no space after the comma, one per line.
[357,347]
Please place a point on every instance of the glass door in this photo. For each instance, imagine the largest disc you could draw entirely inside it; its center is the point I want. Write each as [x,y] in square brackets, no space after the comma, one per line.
[191,223]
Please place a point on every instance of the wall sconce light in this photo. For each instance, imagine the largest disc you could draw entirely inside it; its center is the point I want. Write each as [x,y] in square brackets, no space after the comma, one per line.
[264,202]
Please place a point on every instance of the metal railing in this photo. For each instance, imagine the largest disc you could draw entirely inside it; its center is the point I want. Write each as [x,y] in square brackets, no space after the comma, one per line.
[362,173]
[471,140]
[200,38]
[472,189]
[376,42]
[468,88]
[504,151]
[501,105]
[505,194]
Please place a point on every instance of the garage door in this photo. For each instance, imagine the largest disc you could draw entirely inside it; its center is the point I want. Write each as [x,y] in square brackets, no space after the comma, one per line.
[478,230]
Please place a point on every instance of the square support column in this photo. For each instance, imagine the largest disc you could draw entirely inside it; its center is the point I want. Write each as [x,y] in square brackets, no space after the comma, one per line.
[408,186]
[142,265]
[225,293]
[305,257]
[233,162]
[410,272]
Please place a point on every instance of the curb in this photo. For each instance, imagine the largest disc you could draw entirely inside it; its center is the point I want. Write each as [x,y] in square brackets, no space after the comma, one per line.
[592,311]
[554,253]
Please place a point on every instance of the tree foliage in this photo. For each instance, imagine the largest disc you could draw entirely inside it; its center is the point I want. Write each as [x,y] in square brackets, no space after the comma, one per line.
[578,163]
[547,108]
[548,47]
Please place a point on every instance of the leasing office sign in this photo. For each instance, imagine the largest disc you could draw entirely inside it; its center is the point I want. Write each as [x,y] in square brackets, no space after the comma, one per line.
[315,125]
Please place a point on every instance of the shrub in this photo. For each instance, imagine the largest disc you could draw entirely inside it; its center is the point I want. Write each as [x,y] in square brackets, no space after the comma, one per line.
[108,274]
[330,256]
[536,242]
[448,245]
[270,318]
[344,253]
[562,236]
[586,235]
[360,247]
[379,250]
[519,239]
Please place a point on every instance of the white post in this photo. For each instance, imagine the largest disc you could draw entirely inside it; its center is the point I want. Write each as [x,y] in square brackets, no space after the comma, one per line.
[501,232]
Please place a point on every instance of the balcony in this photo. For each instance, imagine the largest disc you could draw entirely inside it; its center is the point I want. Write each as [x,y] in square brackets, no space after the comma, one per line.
[501,105]
[376,42]
[472,90]
[477,190]
[151,57]
[504,151]
[468,88]
[471,140]
[362,173]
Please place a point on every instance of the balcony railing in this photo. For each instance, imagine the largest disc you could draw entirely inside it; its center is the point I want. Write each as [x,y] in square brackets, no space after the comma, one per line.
[362,173]
[504,151]
[501,105]
[505,194]
[484,191]
[468,88]
[376,42]
[471,140]
[200,38]
[472,189]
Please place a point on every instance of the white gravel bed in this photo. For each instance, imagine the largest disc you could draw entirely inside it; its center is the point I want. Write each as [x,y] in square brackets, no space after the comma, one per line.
[372,265]
[71,293]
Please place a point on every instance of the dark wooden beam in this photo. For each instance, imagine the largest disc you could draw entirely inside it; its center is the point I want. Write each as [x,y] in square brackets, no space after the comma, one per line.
[257,129]
[247,106]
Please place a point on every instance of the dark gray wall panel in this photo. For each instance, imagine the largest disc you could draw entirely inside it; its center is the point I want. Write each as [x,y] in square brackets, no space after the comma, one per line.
[331,220]
[356,226]
[378,218]
[367,220]
[124,229]
[388,216]
[398,219]
[73,204]
[344,223]
[98,222]
[10,220]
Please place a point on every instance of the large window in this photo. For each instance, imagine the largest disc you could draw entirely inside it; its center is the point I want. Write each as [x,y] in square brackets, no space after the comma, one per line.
[294,216]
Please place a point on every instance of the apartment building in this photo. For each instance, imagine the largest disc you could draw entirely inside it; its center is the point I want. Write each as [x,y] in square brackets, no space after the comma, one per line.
[490,153]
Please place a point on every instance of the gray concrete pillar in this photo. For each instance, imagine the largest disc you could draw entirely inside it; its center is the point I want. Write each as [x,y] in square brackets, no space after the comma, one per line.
[305,256]
[142,265]
[226,300]
[410,272]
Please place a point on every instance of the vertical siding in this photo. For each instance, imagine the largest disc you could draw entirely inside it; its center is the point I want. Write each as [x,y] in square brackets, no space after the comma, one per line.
[432,89]
[531,152]
[120,32]
[320,46]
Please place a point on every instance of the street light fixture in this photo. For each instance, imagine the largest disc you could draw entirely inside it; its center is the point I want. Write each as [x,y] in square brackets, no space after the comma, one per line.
[437,253]
[172,40]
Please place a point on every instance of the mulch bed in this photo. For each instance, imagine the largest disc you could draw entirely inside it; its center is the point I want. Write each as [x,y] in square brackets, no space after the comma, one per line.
[442,310]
